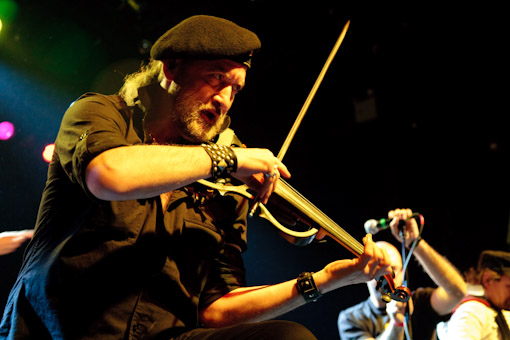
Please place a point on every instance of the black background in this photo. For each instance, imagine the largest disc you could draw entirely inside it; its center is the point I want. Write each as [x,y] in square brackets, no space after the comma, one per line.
[411,113]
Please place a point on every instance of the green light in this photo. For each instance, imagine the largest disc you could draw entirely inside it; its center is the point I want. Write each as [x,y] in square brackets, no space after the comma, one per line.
[8,9]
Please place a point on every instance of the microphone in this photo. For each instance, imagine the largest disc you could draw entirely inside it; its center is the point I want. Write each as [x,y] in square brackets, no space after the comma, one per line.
[374,226]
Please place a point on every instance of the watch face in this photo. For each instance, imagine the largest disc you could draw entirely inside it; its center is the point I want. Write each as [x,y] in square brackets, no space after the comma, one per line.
[306,286]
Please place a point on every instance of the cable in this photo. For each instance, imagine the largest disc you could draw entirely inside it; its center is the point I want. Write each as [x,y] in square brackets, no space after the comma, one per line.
[405,278]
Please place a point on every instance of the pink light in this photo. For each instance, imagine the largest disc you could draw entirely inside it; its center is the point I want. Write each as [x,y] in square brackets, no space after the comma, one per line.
[48,152]
[6,130]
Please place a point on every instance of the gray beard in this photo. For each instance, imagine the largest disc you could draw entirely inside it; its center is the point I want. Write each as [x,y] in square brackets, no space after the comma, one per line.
[188,118]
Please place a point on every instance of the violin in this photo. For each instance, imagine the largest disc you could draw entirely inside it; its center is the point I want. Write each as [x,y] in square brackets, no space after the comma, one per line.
[289,207]
[293,209]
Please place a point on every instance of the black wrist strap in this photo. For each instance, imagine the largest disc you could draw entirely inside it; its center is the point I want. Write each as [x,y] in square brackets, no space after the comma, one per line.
[306,287]
[224,160]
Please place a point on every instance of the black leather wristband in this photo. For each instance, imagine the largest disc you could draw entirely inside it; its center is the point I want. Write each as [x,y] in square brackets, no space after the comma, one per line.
[306,286]
[224,160]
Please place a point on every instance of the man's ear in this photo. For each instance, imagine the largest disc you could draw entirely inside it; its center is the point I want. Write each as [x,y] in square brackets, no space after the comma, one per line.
[169,67]
[487,278]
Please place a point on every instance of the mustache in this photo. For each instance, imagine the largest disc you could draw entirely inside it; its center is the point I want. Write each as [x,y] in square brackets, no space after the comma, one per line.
[210,107]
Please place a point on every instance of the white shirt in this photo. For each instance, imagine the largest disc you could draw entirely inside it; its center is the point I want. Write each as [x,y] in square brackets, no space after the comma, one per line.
[472,320]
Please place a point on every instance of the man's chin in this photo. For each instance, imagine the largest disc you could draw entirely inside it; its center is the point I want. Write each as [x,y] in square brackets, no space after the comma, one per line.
[199,137]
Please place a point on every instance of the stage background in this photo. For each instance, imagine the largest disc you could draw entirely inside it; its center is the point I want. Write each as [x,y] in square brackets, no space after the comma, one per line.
[411,113]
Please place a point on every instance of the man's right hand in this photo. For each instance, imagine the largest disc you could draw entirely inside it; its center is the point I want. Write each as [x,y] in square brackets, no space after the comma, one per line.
[260,170]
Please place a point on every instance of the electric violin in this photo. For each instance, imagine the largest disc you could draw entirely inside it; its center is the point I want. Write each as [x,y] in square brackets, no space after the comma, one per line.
[288,210]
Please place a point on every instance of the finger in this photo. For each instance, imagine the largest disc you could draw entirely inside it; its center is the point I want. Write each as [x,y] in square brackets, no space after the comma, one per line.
[269,185]
[400,213]
[282,169]
[275,182]
[385,257]
[19,239]
[381,262]
[394,222]
[384,267]
[368,250]
[408,212]
[272,172]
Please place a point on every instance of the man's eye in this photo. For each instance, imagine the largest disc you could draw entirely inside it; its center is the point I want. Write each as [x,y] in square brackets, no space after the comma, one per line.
[237,88]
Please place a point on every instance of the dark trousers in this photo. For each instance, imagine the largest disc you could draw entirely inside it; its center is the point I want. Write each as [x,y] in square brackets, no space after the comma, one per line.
[266,330]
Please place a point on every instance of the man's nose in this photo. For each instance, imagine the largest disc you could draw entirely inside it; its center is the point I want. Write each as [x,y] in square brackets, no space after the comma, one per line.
[223,98]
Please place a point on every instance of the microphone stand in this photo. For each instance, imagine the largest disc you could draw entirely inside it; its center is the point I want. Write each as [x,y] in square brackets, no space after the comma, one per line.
[405,279]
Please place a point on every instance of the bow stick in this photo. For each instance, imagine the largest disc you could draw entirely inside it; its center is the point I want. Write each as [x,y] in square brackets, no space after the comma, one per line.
[314,89]
[308,100]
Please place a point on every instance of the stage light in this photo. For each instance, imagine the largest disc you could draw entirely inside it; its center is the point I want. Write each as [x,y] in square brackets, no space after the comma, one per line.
[48,152]
[6,130]
[8,10]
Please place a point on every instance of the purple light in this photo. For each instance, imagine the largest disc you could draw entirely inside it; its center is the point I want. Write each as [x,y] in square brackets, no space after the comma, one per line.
[6,130]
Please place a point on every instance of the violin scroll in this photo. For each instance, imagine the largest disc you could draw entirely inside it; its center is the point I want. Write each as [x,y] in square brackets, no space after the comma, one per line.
[390,292]
[401,294]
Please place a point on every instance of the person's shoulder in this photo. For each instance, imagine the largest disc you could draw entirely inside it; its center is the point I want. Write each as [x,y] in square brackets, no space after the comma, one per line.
[92,102]
[474,302]
[356,309]
[475,306]
[99,98]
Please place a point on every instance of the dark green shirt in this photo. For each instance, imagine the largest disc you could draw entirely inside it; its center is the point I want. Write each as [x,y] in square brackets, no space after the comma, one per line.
[120,269]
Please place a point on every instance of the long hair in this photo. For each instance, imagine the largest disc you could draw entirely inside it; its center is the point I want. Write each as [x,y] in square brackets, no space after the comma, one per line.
[146,75]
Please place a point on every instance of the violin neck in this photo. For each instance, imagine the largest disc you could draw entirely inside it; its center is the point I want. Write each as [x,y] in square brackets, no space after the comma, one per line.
[314,214]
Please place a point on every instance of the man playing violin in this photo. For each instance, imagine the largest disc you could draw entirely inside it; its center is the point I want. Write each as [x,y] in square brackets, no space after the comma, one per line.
[127,244]
[376,319]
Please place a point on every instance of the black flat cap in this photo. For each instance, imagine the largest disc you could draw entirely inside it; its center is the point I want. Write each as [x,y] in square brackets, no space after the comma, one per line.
[496,260]
[207,37]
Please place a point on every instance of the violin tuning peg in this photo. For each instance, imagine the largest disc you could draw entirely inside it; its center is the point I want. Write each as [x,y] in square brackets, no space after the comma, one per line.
[386,297]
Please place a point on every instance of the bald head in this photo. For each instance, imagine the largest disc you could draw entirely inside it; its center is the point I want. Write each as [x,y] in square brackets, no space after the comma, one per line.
[395,257]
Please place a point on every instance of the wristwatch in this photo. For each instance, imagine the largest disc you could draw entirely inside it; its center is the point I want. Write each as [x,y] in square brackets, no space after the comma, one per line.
[306,286]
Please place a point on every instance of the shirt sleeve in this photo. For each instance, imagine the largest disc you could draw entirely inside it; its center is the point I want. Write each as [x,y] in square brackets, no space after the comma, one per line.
[90,126]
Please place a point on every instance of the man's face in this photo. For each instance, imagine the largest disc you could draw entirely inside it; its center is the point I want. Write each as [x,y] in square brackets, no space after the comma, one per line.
[205,92]
[498,291]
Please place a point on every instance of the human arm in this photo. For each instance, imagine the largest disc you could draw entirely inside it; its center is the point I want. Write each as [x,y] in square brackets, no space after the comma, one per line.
[12,240]
[251,304]
[99,149]
[395,329]
[142,171]
[451,286]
